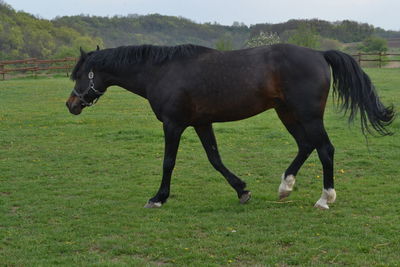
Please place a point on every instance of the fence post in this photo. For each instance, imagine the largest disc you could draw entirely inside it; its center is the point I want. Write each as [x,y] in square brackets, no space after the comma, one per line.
[67,64]
[359,58]
[35,64]
[2,71]
[380,59]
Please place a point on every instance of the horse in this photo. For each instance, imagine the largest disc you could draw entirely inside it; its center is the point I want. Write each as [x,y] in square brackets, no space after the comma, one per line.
[195,86]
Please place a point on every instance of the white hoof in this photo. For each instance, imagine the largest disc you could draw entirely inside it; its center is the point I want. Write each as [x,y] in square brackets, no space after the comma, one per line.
[245,197]
[328,196]
[286,186]
[321,204]
[150,205]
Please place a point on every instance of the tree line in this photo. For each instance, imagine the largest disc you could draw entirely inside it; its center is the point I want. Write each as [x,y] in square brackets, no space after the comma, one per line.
[23,35]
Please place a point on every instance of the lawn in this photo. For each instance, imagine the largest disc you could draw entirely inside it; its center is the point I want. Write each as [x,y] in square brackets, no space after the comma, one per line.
[72,188]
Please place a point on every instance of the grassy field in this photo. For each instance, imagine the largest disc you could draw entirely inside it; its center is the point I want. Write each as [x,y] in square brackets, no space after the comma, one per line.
[72,188]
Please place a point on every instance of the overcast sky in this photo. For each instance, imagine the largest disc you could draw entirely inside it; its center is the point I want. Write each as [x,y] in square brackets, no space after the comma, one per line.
[380,13]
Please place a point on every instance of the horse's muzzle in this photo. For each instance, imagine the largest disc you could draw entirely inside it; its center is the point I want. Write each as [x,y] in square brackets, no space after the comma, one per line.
[74,105]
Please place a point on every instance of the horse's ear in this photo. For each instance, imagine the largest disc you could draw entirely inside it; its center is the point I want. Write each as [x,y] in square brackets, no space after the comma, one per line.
[83,53]
[98,48]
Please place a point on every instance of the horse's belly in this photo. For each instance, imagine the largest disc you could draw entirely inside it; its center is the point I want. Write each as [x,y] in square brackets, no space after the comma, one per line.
[223,111]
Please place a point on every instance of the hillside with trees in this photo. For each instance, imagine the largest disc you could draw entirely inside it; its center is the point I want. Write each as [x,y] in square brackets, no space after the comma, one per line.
[345,31]
[23,35]
[154,29]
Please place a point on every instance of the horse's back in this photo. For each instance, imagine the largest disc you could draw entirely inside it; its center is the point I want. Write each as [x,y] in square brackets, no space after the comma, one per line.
[232,86]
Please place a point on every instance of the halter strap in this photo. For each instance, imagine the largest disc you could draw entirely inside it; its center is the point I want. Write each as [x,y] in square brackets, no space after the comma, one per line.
[90,89]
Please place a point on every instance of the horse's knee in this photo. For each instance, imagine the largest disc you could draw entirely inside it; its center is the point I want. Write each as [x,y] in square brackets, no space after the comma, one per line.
[168,164]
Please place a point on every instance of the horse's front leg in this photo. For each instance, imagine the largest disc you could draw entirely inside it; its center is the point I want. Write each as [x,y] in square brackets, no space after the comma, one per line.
[172,136]
[207,138]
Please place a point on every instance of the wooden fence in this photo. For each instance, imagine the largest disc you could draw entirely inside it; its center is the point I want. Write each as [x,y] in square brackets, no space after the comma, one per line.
[36,66]
[382,59]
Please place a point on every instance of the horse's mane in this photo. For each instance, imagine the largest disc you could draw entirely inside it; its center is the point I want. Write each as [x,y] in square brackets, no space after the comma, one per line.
[113,59]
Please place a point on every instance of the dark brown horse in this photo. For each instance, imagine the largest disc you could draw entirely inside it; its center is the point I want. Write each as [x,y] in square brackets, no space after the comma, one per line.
[196,86]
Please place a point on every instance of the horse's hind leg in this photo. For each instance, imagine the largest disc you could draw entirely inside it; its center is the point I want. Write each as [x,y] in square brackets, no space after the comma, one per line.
[305,148]
[316,132]
[309,135]
[206,135]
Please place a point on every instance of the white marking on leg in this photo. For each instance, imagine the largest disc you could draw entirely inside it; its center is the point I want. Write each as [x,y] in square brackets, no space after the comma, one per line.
[328,196]
[286,186]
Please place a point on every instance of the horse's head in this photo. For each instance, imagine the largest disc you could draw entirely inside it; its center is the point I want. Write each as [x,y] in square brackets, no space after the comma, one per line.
[89,85]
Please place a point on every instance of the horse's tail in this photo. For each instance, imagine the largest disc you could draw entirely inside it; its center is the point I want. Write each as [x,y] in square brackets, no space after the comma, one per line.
[355,91]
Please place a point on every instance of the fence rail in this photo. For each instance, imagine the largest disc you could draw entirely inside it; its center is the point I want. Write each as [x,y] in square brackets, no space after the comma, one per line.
[35,66]
[381,58]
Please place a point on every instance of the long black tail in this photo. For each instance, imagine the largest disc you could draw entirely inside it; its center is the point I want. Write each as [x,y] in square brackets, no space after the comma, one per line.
[355,91]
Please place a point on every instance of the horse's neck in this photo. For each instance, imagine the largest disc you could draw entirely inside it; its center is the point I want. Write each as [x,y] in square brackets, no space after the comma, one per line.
[133,83]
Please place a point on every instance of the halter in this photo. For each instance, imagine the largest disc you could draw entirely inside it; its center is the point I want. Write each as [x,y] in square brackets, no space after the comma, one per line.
[90,93]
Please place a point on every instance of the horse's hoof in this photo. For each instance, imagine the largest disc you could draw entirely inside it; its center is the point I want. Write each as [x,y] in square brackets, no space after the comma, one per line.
[321,204]
[328,196]
[245,197]
[284,194]
[286,186]
[321,207]
[151,204]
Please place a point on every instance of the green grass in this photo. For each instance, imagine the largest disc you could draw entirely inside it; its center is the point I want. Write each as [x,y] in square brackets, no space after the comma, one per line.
[72,188]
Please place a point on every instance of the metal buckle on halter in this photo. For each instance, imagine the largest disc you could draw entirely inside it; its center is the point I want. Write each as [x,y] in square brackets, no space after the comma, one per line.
[81,96]
[91,84]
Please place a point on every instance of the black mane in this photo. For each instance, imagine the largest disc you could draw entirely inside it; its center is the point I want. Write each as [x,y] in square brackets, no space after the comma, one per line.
[121,57]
